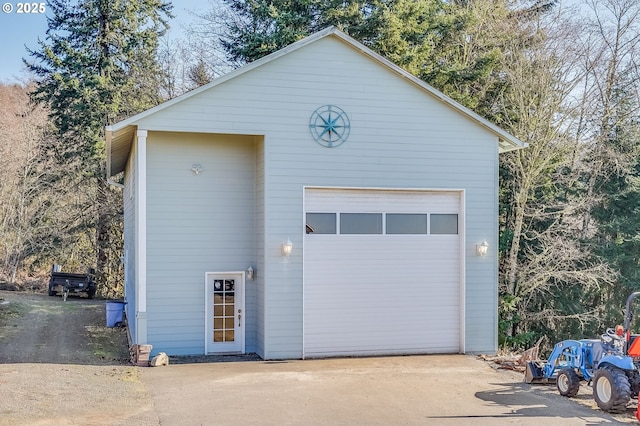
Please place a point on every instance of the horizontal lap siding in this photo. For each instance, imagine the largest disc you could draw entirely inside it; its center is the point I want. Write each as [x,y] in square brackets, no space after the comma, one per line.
[401,137]
[196,224]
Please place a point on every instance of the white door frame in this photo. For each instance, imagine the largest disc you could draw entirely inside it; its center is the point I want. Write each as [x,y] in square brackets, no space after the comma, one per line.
[239,338]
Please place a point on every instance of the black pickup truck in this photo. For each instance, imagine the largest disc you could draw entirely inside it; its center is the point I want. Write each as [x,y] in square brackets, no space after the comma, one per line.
[66,282]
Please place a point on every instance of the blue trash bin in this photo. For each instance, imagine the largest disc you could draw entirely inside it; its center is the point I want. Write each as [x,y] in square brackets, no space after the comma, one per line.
[114,313]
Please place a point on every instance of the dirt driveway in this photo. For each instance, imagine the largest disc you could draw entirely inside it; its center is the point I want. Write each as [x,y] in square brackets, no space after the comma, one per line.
[59,365]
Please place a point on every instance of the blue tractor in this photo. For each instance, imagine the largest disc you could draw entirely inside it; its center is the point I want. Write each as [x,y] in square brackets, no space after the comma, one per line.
[611,365]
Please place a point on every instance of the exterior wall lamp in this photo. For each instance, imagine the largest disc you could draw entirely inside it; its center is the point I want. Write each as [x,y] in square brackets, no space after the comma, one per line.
[482,249]
[250,273]
[286,248]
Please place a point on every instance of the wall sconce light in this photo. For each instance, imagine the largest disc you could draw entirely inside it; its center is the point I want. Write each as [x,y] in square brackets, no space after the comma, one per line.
[250,273]
[286,248]
[482,249]
[196,169]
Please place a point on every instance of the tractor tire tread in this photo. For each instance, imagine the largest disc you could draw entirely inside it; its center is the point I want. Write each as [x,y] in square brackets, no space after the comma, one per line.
[620,390]
[573,383]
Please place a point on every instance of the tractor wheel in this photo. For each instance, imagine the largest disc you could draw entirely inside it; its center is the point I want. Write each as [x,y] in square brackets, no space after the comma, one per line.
[568,382]
[611,389]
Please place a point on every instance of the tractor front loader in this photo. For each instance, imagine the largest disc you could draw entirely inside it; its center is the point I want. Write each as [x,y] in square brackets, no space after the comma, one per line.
[611,365]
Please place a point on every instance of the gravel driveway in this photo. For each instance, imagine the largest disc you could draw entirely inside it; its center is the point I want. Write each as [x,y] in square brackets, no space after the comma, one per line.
[59,365]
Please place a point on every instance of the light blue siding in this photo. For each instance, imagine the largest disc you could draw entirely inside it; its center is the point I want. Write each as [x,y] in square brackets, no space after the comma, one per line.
[196,223]
[400,138]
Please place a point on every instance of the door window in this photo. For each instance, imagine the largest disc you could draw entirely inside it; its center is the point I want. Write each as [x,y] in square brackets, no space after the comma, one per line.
[224,307]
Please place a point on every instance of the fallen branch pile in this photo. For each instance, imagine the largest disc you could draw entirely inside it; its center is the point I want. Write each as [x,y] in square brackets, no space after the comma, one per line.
[513,361]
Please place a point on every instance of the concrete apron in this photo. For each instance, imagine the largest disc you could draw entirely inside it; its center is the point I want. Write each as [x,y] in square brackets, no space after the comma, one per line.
[405,390]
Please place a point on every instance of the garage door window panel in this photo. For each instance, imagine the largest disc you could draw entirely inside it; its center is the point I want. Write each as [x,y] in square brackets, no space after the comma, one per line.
[321,223]
[397,223]
[444,224]
[360,223]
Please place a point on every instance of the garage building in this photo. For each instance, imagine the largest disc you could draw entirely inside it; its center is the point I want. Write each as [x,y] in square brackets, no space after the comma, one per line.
[317,202]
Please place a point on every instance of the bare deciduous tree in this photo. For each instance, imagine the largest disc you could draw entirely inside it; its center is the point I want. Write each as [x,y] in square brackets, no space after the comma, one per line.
[24,198]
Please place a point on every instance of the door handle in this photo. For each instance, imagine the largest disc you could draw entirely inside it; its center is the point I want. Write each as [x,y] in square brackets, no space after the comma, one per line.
[239,318]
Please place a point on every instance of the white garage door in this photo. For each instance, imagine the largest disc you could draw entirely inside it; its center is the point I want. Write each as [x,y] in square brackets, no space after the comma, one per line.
[382,272]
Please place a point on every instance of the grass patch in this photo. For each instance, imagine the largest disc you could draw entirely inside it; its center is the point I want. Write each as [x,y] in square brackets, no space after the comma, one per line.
[10,310]
[109,344]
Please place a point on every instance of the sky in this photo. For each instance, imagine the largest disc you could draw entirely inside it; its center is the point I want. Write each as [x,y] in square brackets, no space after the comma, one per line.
[18,30]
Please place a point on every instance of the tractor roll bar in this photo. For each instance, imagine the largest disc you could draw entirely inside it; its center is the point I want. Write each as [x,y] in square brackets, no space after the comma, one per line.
[628,317]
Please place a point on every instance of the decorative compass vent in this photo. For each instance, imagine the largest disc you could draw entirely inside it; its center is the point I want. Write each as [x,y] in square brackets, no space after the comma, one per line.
[329,126]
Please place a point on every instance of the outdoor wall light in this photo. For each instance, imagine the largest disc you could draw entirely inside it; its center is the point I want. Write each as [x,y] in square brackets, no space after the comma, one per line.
[482,249]
[250,273]
[286,248]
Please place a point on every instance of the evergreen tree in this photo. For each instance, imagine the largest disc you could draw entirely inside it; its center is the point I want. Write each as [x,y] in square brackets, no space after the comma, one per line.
[611,130]
[260,27]
[617,235]
[97,66]
[198,74]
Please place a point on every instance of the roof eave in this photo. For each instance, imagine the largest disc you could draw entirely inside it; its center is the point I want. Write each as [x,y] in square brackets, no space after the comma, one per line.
[118,148]
[508,145]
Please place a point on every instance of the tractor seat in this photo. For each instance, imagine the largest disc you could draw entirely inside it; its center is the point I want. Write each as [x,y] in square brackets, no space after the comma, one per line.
[594,353]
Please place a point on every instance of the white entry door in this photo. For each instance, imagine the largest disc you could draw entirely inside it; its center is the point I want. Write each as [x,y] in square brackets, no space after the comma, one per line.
[225,315]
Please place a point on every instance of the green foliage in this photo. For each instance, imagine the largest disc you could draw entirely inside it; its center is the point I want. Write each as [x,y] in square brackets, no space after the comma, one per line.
[617,238]
[508,308]
[265,26]
[97,66]
[261,27]
[198,74]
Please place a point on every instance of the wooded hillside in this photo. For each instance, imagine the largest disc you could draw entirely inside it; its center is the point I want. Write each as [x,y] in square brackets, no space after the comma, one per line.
[563,78]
